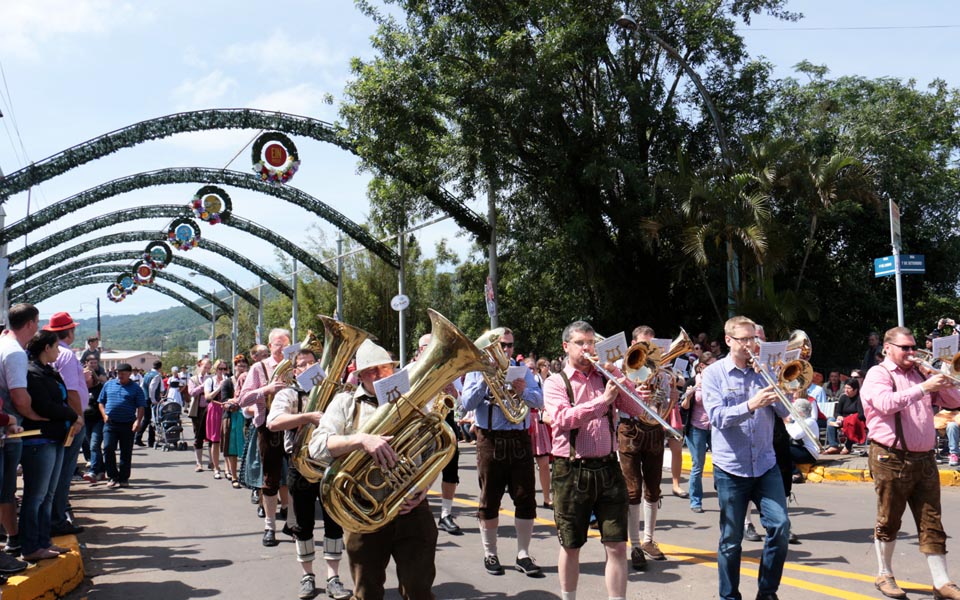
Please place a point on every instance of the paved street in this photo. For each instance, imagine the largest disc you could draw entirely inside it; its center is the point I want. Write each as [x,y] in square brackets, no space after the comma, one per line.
[179,534]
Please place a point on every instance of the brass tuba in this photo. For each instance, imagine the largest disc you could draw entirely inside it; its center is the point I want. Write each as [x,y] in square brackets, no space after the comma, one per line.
[357,492]
[646,364]
[513,408]
[285,366]
[341,343]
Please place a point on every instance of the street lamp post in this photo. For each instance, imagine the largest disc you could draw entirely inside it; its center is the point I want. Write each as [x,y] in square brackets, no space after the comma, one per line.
[98,318]
[631,24]
[213,322]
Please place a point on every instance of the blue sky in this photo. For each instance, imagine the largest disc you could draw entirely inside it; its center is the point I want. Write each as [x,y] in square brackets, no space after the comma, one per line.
[75,69]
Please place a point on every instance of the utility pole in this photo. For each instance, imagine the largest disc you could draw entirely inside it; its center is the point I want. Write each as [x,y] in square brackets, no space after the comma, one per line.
[339,315]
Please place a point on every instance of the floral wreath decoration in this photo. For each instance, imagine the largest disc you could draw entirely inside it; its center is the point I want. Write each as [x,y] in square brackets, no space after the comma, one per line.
[183,234]
[115,293]
[144,272]
[275,158]
[157,254]
[211,204]
[127,283]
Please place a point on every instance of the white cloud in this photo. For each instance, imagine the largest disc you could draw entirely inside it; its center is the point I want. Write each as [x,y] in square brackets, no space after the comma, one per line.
[278,52]
[205,92]
[303,99]
[26,25]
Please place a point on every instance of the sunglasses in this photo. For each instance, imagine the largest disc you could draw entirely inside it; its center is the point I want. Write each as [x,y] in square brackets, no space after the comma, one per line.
[506,344]
[904,348]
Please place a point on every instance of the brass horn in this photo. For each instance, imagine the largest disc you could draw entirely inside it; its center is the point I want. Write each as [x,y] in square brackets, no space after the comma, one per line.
[357,492]
[342,341]
[514,409]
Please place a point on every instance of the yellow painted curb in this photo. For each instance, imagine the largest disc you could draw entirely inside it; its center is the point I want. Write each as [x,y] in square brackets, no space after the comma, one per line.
[819,473]
[48,579]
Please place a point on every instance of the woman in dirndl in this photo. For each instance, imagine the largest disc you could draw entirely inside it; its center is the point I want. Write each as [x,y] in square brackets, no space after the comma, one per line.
[232,434]
[213,390]
[540,436]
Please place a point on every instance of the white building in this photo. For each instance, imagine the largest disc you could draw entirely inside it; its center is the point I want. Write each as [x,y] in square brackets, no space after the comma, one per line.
[138,359]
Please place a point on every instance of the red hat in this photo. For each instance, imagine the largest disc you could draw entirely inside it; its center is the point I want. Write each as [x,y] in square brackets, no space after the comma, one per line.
[60,321]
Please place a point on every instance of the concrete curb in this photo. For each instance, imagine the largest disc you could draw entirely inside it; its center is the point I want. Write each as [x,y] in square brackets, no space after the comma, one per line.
[48,579]
[820,473]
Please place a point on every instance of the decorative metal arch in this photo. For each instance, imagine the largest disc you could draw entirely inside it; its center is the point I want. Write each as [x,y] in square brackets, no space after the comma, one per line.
[231,118]
[141,236]
[71,281]
[24,289]
[171,211]
[105,257]
[203,176]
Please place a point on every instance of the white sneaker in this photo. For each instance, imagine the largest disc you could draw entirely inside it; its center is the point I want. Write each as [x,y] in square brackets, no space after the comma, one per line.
[336,590]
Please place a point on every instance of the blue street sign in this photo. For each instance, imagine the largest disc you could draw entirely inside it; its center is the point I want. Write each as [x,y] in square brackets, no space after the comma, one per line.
[910,264]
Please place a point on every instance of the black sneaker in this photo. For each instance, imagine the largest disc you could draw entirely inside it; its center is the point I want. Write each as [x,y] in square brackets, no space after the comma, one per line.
[637,559]
[10,565]
[793,539]
[269,538]
[308,587]
[13,545]
[750,534]
[287,530]
[492,565]
[282,515]
[261,513]
[254,496]
[449,525]
[529,568]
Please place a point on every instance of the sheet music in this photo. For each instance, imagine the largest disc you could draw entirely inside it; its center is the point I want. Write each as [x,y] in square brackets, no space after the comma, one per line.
[389,389]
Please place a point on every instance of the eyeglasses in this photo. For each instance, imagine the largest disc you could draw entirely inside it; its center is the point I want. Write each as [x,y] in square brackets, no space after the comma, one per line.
[506,344]
[904,348]
[583,343]
[743,340]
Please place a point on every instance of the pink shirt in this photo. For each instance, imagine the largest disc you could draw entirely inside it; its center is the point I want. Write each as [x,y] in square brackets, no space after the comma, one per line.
[881,404]
[71,371]
[257,377]
[588,414]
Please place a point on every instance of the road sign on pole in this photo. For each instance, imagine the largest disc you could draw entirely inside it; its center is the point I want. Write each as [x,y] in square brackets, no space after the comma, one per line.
[895,226]
[910,264]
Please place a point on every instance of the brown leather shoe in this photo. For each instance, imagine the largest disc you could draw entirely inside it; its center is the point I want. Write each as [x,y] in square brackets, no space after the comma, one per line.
[889,588]
[950,590]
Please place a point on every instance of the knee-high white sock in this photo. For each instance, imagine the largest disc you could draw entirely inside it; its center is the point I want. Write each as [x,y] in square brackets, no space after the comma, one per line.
[489,539]
[616,598]
[884,556]
[649,520]
[568,595]
[633,524]
[938,569]
[524,533]
[270,512]
[446,507]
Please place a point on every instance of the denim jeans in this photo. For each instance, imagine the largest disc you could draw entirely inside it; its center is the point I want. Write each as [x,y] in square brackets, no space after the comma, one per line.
[697,444]
[58,516]
[118,435]
[11,458]
[41,470]
[833,440]
[953,437]
[94,428]
[734,494]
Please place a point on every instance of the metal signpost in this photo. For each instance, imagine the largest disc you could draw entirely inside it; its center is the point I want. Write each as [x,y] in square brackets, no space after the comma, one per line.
[897,265]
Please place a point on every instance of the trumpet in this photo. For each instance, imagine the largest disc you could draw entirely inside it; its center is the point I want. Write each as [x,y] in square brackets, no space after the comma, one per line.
[925,358]
[633,396]
[793,376]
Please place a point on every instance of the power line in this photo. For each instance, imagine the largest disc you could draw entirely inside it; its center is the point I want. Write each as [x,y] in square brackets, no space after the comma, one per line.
[852,28]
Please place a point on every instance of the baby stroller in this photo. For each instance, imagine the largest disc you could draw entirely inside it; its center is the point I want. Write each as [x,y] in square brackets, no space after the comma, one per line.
[169,430]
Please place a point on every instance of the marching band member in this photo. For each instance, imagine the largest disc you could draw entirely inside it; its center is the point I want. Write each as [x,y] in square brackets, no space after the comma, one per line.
[641,459]
[286,415]
[897,401]
[256,389]
[586,476]
[504,462]
[744,464]
[411,538]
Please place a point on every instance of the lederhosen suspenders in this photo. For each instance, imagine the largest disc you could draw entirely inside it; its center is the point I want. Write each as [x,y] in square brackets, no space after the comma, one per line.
[898,439]
[574,432]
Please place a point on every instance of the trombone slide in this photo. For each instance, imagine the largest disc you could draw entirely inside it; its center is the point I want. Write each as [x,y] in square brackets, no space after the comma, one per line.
[627,392]
[782,397]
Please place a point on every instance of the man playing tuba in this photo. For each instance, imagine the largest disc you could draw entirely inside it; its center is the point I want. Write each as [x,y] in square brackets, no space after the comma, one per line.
[411,538]
[286,415]
[504,462]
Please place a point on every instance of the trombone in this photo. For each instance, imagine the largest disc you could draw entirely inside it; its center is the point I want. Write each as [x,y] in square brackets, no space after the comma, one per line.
[633,396]
[794,375]
[925,358]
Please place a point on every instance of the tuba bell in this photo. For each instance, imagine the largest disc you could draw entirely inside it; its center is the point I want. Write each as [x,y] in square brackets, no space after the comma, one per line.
[645,364]
[513,408]
[357,492]
[341,343]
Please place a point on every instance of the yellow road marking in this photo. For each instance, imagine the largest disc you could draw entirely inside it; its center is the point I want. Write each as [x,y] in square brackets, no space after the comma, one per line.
[708,558]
